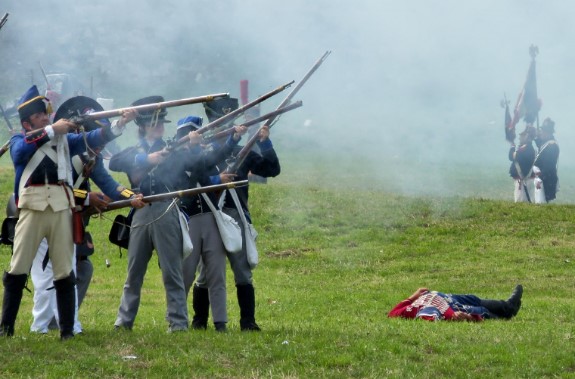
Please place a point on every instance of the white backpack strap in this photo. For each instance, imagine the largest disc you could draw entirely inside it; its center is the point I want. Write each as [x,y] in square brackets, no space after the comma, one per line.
[78,166]
[208,201]
[239,207]
[44,151]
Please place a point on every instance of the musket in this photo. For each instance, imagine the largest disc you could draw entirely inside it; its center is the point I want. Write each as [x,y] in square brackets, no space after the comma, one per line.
[45,76]
[232,115]
[256,120]
[5,147]
[6,119]
[3,20]
[171,195]
[79,119]
[243,153]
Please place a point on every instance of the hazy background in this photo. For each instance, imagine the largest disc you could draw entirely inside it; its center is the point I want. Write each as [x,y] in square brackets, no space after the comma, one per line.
[408,99]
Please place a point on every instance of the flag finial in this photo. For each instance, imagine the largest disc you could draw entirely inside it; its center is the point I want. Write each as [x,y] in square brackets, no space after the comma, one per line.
[533,51]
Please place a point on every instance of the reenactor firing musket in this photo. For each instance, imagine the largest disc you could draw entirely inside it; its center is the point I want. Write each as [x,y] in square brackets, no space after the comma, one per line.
[239,159]
[3,20]
[94,116]
[256,120]
[232,115]
[171,195]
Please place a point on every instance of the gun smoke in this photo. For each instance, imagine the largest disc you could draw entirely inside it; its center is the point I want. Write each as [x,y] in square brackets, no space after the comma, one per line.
[410,93]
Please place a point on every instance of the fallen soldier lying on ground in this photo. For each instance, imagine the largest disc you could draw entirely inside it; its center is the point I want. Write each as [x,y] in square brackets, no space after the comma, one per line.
[434,306]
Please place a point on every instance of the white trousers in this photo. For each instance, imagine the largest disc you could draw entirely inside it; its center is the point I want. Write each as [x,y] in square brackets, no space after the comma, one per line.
[539,192]
[519,192]
[45,306]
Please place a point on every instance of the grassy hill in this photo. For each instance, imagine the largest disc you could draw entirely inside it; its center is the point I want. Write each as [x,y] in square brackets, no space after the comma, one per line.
[337,252]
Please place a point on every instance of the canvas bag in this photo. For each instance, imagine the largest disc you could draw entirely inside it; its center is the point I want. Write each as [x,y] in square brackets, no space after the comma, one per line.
[230,230]
[120,231]
[250,232]
[187,245]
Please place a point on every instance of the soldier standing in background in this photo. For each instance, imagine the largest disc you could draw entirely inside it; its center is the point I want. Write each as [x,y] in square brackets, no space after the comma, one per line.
[547,157]
[521,170]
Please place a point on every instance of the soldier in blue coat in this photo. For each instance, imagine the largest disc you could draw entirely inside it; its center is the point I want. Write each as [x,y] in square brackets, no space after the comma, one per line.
[44,196]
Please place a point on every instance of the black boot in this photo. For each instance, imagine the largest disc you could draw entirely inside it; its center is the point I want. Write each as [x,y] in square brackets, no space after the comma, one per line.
[201,305]
[66,301]
[13,288]
[247,302]
[505,308]
[220,327]
[515,299]
[499,308]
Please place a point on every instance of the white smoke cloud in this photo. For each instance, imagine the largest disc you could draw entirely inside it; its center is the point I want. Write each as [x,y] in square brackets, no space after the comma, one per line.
[411,87]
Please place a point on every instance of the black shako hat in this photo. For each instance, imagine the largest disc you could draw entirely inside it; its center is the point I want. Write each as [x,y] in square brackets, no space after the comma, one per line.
[548,126]
[81,105]
[151,115]
[32,102]
[220,107]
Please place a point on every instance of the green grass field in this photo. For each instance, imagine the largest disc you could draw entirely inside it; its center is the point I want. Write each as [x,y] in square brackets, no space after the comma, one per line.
[337,252]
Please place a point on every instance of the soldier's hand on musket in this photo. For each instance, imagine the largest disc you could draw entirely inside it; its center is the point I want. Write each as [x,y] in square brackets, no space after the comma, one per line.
[227,178]
[240,130]
[137,201]
[264,133]
[98,200]
[194,138]
[63,126]
[128,115]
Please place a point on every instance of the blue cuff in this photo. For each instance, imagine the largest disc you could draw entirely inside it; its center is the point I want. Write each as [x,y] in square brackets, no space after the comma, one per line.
[266,145]
[141,159]
[231,142]
[215,179]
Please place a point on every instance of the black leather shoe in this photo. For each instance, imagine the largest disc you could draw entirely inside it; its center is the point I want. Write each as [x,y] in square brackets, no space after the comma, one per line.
[6,331]
[250,327]
[199,325]
[123,327]
[66,336]
[220,327]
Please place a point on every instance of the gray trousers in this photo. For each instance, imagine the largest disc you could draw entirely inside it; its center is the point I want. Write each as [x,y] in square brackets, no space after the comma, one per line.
[209,248]
[84,273]
[151,228]
[238,261]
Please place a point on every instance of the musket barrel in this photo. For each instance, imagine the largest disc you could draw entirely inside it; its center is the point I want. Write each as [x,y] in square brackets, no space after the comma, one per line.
[155,106]
[144,107]
[172,195]
[300,84]
[234,114]
[257,120]
[4,148]
[248,146]
[3,20]
[238,112]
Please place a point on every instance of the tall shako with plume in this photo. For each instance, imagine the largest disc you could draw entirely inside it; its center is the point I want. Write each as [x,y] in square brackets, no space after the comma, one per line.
[528,104]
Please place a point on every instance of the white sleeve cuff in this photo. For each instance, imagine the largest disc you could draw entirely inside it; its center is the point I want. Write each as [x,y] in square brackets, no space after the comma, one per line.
[49,131]
[116,129]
